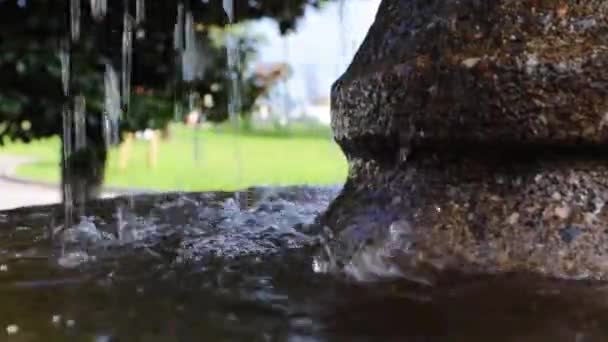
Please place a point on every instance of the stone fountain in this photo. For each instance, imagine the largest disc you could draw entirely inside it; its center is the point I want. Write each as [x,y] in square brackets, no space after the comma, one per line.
[476,136]
[475,133]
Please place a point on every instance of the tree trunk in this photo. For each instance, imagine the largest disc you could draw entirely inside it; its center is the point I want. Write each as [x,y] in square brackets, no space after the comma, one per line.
[476,134]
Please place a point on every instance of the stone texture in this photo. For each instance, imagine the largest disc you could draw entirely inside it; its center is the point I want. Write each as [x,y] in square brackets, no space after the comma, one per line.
[502,71]
[477,130]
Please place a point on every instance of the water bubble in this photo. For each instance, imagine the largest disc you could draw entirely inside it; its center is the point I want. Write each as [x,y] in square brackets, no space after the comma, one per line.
[70,323]
[56,319]
[3,268]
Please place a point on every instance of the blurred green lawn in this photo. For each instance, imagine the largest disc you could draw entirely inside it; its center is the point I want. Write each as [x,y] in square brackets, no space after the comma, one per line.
[268,157]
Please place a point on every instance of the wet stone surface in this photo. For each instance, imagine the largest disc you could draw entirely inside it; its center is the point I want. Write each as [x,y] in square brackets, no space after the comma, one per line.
[476,136]
[543,217]
[478,71]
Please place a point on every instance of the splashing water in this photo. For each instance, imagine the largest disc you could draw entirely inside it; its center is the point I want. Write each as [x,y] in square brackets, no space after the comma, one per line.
[112,109]
[99,8]
[127,55]
[75,19]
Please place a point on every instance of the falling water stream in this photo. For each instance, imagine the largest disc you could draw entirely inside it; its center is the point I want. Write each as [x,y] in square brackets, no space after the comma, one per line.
[127,55]
[234,69]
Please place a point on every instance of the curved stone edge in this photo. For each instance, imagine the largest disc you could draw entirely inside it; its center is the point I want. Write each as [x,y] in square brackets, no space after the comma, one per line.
[501,71]
[546,218]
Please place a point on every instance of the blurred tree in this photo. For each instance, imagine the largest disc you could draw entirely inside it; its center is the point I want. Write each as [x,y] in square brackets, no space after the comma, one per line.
[32,94]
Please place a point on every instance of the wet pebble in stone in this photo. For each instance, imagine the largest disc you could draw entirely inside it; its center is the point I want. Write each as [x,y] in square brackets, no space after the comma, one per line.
[12,329]
[569,233]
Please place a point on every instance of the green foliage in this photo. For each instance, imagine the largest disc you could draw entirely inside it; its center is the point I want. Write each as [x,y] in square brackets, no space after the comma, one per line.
[31,97]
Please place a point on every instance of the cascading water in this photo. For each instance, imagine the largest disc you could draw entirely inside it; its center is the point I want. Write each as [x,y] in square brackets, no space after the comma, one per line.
[343,34]
[75,19]
[286,52]
[99,8]
[179,46]
[127,55]
[195,110]
[140,11]
[193,69]
[64,58]
[112,107]
[80,145]
[234,68]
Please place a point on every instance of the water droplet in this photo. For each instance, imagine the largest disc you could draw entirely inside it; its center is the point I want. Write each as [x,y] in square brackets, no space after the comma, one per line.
[56,319]
[70,323]
[3,268]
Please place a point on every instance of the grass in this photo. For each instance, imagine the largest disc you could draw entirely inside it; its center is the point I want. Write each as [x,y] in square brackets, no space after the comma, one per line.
[268,157]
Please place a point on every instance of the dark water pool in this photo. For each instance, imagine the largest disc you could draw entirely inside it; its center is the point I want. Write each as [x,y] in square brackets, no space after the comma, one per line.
[202,268]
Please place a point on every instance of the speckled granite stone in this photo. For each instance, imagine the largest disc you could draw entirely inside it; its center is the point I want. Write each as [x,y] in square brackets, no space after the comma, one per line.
[478,130]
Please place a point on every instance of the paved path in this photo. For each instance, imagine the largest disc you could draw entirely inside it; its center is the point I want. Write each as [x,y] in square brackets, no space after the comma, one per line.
[18,194]
[15,193]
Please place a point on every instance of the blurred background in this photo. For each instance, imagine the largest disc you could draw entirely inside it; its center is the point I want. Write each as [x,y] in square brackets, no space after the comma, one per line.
[134,96]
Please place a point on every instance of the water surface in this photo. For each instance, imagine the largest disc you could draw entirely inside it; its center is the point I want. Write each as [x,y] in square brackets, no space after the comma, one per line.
[199,267]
